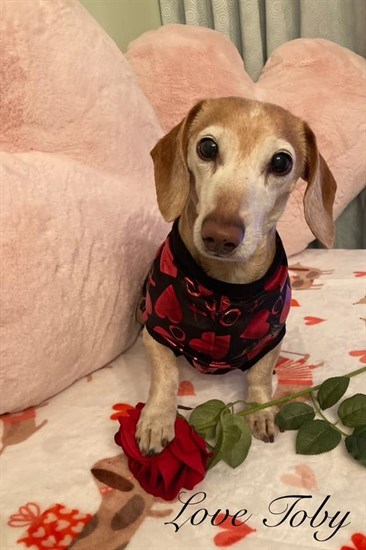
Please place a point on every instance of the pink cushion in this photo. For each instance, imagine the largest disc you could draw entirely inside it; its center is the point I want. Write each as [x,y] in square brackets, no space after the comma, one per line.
[315,79]
[79,221]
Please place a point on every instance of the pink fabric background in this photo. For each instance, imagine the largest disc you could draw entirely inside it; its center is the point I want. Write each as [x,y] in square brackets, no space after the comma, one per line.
[79,221]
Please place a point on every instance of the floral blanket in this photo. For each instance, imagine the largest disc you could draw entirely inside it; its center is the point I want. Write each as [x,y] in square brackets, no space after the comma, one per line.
[65,484]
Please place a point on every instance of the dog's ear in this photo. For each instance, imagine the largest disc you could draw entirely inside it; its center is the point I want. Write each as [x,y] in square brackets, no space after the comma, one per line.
[320,192]
[172,177]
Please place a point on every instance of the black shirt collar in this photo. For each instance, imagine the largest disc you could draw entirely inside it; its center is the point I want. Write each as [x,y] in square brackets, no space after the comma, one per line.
[186,263]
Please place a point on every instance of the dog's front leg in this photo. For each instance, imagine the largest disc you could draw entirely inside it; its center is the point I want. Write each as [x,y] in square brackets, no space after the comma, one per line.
[155,427]
[259,380]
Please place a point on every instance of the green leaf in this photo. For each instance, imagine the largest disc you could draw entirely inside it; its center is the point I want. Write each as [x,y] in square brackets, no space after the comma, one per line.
[205,417]
[331,390]
[356,444]
[315,437]
[238,453]
[352,411]
[294,415]
[209,432]
[228,435]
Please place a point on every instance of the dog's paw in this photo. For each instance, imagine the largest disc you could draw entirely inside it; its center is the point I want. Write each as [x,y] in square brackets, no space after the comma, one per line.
[155,429]
[262,424]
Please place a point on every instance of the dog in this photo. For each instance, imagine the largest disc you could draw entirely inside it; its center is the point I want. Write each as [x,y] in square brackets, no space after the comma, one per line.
[223,176]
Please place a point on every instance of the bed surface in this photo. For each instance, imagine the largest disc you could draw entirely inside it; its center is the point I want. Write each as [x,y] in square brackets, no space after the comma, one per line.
[48,492]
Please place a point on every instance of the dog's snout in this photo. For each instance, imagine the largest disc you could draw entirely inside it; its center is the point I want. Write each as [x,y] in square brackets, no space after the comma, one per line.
[222,238]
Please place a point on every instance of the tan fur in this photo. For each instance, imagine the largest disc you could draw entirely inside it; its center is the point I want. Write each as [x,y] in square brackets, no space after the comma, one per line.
[237,185]
[320,192]
[170,164]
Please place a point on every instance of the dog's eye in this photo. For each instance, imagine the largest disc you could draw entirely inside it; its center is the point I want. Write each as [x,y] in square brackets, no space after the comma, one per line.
[281,164]
[207,149]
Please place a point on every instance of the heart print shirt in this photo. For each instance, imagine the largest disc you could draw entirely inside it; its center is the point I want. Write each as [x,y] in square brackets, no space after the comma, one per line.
[217,326]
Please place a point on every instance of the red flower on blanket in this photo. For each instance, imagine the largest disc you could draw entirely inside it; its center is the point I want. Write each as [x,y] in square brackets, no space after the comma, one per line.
[359,541]
[182,464]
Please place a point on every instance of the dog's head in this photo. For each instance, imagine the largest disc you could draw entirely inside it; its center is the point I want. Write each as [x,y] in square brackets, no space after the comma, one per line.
[235,162]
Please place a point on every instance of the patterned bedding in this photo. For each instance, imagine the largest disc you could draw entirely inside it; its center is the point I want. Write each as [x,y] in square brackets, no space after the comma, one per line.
[64,483]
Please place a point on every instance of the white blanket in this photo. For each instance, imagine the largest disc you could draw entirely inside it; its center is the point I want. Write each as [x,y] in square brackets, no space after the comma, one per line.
[48,451]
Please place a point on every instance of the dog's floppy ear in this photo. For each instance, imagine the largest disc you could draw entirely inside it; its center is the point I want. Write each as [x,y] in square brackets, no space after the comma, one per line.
[320,192]
[172,177]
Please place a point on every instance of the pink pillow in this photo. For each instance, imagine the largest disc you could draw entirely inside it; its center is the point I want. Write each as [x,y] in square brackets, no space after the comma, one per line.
[315,79]
[79,221]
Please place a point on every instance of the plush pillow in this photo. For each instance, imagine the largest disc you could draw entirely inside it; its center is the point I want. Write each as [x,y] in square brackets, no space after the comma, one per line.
[315,79]
[79,221]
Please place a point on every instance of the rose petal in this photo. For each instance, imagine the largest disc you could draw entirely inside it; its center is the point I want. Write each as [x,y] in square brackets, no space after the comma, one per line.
[176,485]
[189,447]
[125,438]
[168,465]
[193,479]
[192,460]
[150,479]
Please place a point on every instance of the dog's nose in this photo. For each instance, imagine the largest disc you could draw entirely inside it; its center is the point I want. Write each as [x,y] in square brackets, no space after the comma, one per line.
[222,238]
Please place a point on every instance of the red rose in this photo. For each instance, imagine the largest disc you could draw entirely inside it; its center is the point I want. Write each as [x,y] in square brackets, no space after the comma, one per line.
[182,464]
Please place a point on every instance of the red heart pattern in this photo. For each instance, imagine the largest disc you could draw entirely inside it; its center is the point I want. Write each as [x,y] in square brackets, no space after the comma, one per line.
[359,353]
[186,388]
[167,264]
[212,345]
[303,478]
[258,326]
[167,306]
[313,320]
[231,532]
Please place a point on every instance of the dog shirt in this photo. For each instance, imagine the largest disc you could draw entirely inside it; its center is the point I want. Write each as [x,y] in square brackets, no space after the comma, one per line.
[217,326]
